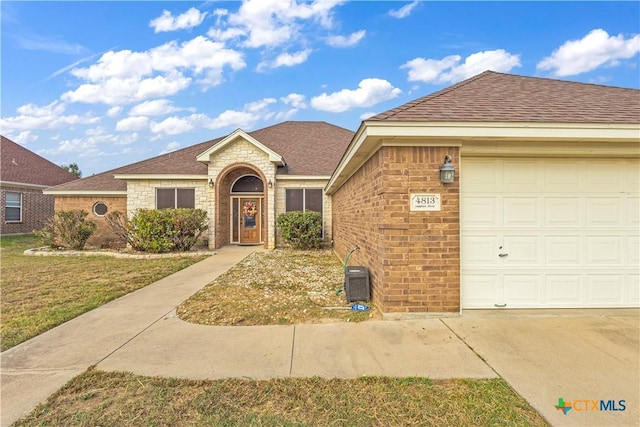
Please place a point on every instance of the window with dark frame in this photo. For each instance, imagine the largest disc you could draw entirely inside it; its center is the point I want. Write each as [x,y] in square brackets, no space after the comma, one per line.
[171,198]
[13,207]
[303,199]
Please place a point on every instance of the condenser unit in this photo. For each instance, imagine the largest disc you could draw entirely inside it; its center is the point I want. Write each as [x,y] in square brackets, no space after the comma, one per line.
[356,284]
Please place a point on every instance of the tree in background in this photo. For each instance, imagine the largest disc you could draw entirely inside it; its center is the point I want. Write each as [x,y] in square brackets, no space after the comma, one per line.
[73,168]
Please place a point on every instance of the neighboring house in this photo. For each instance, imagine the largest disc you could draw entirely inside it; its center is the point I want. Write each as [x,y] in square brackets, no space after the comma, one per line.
[544,210]
[23,177]
[243,181]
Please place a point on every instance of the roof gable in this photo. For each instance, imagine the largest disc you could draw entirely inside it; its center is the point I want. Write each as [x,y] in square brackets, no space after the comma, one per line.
[234,136]
[20,165]
[497,97]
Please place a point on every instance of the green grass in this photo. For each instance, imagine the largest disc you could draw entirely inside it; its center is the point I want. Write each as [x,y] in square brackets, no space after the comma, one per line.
[39,293]
[122,399]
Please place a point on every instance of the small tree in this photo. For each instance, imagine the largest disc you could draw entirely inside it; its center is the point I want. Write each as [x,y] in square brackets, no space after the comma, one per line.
[67,229]
[73,168]
[302,230]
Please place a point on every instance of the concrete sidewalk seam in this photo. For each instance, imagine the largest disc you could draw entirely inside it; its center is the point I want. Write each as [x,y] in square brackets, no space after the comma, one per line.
[470,348]
[293,347]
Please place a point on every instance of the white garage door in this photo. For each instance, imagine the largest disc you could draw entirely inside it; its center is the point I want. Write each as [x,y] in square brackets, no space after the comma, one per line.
[550,233]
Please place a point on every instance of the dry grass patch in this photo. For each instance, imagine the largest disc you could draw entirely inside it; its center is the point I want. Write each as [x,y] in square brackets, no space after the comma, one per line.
[39,293]
[121,399]
[274,287]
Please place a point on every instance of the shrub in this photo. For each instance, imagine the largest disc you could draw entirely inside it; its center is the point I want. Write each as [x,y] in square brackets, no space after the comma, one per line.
[302,230]
[163,230]
[68,229]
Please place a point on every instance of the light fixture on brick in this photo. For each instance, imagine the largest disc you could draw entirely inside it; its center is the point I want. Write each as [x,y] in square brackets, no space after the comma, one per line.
[447,171]
[211,183]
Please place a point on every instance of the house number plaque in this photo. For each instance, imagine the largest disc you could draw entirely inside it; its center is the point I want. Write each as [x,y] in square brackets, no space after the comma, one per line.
[425,202]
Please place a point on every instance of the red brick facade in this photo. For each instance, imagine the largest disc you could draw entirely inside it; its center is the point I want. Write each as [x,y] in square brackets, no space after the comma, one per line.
[413,257]
[102,237]
[36,209]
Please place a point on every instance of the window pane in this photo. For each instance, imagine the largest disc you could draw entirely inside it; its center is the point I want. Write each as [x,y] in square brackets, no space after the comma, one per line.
[248,184]
[186,198]
[313,200]
[165,198]
[12,214]
[13,200]
[294,199]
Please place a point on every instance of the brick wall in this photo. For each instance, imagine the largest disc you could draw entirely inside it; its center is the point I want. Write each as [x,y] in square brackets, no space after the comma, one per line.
[36,209]
[414,257]
[102,237]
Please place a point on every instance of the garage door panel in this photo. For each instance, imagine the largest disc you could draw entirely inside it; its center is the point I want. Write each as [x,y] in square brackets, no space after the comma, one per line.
[604,290]
[563,290]
[563,212]
[481,212]
[521,250]
[604,250]
[523,290]
[603,211]
[521,211]
[570,228]
[480,251]
[563,250]
[521,176]
[562,176]
[480,290]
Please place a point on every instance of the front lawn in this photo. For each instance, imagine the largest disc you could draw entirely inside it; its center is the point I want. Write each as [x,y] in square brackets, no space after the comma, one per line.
[98,398]
[275,287]
[39,293]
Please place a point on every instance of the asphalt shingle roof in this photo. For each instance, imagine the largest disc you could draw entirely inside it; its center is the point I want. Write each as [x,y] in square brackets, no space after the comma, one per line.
[23,166]
[497,97]
[308,148]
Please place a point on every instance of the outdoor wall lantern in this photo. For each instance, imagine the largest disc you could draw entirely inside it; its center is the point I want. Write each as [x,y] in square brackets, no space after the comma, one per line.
[447,171]
[211,183]
[270,184]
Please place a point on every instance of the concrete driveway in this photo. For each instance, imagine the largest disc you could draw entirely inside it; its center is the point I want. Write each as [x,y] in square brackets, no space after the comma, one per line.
[580,356]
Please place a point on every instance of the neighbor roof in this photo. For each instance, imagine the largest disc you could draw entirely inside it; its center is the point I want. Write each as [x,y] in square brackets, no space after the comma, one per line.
[308,148]
[20,165]
[497,97]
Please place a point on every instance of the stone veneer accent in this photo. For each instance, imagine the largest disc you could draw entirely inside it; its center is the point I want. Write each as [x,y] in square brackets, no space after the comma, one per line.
[102,237]
[240,153]
[413,257]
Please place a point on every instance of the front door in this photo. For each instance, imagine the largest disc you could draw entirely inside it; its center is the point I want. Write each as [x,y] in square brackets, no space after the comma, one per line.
[250,226]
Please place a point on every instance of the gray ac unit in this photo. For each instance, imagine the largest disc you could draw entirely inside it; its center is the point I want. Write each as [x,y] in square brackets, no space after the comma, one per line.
[356,284]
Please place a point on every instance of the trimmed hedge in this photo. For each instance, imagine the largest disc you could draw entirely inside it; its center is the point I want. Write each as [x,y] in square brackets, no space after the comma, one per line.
[159,230]
[302,230]
[67,229]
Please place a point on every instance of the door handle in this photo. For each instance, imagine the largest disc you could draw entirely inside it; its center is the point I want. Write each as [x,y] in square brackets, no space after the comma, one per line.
[503,255]
[500,305]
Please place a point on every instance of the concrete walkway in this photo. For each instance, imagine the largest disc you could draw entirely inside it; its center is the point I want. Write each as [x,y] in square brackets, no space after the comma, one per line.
[140,333]
[543,355]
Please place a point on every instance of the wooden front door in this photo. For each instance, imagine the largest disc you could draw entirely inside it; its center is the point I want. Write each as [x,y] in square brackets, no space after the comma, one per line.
[250,226]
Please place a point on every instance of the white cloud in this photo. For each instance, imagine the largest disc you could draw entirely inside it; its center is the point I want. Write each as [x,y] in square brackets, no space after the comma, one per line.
[114,111]
[245,119]
[369,92]
[49,44]
[286,60]
[342,41]
[595,49]
[365,116]
[156,107]
[271,23]
[173,125]
[450,70]
[167,22]
[404,11]
[296,100]
[24,137]
[32,117]
[132,123]
[124,77]
[172,146]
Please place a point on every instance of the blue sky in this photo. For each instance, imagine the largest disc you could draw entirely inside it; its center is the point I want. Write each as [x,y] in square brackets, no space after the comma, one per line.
[104,84]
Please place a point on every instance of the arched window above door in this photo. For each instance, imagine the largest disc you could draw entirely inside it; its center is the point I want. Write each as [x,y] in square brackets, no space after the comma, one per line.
[248,184]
